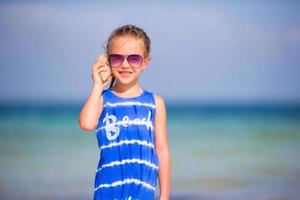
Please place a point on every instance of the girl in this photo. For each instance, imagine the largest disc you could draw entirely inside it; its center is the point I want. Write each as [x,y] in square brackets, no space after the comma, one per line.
[130,122]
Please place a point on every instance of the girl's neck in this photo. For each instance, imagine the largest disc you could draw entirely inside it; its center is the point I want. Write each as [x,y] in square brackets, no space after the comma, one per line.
[127,90]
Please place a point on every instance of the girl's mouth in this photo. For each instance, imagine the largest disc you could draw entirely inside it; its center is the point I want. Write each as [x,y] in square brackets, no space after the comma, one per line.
[125,73]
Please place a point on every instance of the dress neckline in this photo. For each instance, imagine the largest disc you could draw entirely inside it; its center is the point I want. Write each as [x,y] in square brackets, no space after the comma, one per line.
[127,98]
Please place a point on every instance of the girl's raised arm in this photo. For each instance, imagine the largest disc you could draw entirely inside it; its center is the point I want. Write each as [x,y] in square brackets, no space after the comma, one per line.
[162,148]
[92,109]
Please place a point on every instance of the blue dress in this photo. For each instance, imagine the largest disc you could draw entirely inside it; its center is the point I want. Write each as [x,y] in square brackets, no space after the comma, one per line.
[128,164]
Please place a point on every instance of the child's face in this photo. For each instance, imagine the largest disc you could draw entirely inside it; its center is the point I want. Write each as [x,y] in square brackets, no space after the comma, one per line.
[125,73]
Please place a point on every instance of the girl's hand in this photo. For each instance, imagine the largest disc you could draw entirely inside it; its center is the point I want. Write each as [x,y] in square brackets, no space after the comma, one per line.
[101,73]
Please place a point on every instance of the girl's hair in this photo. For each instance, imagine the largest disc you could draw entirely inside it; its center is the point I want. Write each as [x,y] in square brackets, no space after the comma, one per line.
[132,31]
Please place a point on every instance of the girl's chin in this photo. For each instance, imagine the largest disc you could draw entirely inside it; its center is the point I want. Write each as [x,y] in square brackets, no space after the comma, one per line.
[125,81]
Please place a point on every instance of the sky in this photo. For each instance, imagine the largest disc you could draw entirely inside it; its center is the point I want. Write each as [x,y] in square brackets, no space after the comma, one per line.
[220,51]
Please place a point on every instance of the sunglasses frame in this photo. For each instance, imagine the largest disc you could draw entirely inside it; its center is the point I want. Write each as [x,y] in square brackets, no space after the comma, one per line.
[126,57]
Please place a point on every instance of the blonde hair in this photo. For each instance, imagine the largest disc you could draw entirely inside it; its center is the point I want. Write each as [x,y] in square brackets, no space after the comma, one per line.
[132,31]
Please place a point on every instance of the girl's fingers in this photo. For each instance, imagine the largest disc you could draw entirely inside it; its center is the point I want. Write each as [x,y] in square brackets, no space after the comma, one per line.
[106,68]
[98,68]
[97,65]
[108,79]
[101,69]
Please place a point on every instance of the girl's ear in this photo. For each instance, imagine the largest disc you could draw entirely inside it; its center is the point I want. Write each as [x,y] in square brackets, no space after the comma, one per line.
[146,62]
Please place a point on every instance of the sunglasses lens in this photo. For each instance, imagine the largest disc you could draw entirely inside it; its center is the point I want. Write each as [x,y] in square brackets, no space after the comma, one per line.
[135,60]
[115,60]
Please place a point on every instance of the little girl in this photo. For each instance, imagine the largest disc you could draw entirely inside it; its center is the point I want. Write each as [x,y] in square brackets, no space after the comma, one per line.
[130,122]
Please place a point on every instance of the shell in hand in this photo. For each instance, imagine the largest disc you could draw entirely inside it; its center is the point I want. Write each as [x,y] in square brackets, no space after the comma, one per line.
[104,74]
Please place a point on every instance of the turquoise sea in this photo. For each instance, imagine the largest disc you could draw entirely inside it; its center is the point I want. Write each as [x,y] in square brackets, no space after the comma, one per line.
[219,151]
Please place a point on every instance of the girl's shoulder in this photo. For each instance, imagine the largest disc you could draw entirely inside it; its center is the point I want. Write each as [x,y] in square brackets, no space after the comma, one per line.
[159,100]
[160,105]
[155,96]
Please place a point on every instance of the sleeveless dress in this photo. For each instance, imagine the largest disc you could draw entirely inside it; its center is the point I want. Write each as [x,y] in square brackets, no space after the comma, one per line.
[128,164]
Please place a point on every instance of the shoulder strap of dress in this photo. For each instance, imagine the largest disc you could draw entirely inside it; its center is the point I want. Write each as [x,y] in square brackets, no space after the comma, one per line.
[150,97]
[105,95]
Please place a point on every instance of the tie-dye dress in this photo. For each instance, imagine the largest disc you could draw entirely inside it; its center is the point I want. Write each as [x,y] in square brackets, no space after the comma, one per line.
[128,164]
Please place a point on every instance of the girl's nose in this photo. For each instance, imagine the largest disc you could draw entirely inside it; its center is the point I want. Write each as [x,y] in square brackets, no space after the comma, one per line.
[125,64]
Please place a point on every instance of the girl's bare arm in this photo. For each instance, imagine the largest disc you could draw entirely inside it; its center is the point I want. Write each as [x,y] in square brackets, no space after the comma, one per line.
[162,148]
[92,109]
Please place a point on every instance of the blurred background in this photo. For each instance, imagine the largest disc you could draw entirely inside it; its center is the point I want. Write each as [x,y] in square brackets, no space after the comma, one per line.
[228,71]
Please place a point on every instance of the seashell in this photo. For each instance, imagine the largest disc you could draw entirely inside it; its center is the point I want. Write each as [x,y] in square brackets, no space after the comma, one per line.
[102,60]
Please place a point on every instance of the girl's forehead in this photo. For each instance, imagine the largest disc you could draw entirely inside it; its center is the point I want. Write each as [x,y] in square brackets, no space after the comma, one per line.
[126,44]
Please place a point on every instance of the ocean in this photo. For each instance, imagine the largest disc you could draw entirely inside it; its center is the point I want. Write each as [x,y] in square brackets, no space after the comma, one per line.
[219,151]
